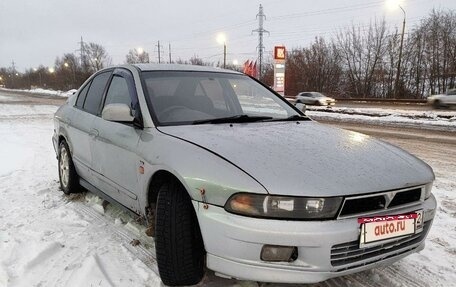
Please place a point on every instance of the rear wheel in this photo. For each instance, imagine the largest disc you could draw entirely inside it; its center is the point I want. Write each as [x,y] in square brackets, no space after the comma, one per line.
[178,242]
[69,180]
[437,104]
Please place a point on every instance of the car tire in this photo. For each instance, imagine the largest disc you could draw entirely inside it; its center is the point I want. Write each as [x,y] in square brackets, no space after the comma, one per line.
[437,104]
[178,242]
[69,179]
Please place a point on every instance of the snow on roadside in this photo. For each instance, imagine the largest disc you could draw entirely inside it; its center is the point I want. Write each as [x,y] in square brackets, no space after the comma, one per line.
[26,111]
[48,239]
[445,120]
[44,92]
[382,112]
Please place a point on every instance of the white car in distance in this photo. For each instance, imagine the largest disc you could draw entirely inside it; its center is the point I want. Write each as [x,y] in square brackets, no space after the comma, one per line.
[314,98]
[443,100]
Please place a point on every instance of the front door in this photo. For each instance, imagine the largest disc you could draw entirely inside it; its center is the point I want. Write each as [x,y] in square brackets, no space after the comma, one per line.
[114,153]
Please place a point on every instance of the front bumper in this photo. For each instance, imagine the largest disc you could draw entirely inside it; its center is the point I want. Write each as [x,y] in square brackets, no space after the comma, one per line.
[233,244]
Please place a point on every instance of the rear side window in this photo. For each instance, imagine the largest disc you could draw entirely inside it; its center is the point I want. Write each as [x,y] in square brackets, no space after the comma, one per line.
[82,95]
[95,94]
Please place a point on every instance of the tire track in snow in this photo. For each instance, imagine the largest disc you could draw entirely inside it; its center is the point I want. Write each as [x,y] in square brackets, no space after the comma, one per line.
[143,254]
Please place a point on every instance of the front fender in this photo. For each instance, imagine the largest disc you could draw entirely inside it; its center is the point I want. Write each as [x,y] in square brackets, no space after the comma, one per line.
[194,166]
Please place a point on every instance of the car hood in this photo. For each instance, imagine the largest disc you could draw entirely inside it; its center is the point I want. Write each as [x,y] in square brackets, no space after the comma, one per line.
[308,158]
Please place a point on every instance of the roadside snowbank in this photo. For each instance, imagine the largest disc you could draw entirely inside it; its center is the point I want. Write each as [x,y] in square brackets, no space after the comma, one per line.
[44,92]
[444,120]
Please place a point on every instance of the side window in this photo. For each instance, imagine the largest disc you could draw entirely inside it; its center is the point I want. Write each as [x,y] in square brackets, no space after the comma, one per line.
[82,96]
[118,92]
[95,94]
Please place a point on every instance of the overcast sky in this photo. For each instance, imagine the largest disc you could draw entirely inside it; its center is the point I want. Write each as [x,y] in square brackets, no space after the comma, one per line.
[34,32]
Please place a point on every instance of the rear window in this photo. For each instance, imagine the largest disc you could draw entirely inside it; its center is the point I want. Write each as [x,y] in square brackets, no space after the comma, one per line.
[95,94]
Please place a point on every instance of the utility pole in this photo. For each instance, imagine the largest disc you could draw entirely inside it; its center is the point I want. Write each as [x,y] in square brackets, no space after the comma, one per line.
[13,67]
[158,51]
[224,55]
[260,46]
[170,61]
[398,74]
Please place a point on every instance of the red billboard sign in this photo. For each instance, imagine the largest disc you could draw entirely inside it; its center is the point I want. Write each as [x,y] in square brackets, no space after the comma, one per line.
[279,53]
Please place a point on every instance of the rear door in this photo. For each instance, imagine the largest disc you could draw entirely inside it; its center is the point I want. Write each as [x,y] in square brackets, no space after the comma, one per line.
[80,128]
[114,153]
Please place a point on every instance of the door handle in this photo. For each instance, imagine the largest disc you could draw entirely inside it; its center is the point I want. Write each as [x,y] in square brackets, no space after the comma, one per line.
[94,133]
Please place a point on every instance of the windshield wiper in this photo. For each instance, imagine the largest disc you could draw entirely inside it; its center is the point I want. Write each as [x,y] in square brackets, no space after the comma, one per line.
[291,118]
[233,119]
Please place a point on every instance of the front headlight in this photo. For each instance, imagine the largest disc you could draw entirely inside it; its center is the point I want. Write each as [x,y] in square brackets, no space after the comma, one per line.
[283,207]
[428,190]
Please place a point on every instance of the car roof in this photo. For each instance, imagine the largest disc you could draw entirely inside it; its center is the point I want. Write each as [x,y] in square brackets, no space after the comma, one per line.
[181,67]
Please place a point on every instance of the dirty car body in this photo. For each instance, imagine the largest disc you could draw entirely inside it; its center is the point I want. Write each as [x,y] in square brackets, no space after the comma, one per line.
[276,196]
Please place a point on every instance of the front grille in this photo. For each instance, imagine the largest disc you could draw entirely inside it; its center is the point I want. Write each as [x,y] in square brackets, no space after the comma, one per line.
[406,197]
[371,203]
[350,252]
[362,205]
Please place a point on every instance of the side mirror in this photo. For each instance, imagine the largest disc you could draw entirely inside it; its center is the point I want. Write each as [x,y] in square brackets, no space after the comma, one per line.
[301,107]
[117,113]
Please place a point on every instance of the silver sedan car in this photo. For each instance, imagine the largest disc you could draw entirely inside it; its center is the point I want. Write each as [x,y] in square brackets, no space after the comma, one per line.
[232,177]
[314,98]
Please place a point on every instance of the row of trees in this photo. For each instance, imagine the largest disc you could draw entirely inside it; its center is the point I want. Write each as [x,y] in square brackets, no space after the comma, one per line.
[358,62]
[69,71]
[362,61]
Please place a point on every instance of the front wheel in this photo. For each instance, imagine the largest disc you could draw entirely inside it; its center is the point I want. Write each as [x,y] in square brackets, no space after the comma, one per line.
[69,180]
[178,242]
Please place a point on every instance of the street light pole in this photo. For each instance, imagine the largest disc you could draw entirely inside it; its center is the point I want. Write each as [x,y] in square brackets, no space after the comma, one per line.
[224,55]
[221,39]
[398,74]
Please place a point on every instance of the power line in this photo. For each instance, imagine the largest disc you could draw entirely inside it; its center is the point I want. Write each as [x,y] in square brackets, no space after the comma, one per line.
[328,11]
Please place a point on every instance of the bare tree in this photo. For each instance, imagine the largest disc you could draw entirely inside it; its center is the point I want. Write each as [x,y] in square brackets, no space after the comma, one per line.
[195,60]
[362,51]
[135,56]
[96,57]
[315,68]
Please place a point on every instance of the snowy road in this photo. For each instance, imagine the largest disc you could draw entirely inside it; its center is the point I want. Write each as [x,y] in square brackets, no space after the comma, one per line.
[48,239]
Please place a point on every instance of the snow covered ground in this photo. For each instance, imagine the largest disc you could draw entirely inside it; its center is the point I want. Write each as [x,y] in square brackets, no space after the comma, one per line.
[49,239]
[435,119]
[44,92]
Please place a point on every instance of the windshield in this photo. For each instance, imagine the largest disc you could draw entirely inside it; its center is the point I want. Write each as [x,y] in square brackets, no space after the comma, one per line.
[178,98]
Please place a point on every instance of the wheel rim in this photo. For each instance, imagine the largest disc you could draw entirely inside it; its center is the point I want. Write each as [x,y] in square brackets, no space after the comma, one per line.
[64,167]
